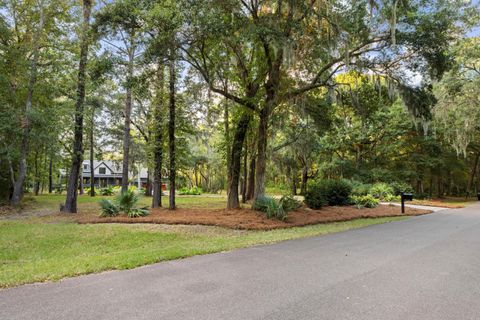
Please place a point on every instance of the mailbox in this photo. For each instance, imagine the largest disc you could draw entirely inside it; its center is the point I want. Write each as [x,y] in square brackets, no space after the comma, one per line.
[478,196]
[405,197]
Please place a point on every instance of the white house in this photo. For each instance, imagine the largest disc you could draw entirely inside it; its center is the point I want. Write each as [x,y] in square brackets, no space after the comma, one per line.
[109,173]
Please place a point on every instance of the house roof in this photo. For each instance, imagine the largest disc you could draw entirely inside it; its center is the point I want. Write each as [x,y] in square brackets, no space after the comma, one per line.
[115,168]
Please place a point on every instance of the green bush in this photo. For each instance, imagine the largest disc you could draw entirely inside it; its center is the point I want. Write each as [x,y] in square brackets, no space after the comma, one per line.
[331,192]
[127,200]
[109,209]
[360,188]
[399,187]
[194,191]
[87,191]
[138,212]
[289,203]
[366,201]
[381,190]
[123,202]
[108,191]
[271,207]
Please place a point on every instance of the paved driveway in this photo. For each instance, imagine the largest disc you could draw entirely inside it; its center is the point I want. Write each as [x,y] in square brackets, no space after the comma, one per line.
[426,267]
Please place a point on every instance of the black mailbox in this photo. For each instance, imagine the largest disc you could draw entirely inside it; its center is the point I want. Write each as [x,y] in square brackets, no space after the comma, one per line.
[405,197]
[478,196]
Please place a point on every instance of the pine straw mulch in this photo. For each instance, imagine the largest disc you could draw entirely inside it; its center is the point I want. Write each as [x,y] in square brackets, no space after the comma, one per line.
[247,219]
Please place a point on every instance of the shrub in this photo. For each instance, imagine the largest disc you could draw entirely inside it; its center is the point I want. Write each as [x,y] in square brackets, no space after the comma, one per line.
[106,191]
[87,191]
[127,200]
[270,207]
[138,212]
[360,188]
[366,201]
[289,203]
[381,190]
[109,209]
[399,187]
[194,191]
[331,192]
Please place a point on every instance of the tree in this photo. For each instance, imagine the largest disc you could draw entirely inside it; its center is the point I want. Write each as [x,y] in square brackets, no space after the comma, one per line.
[71,201]
[121,25]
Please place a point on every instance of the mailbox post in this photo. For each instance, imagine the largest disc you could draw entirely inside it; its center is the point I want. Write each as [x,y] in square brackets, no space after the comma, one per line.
[405,197]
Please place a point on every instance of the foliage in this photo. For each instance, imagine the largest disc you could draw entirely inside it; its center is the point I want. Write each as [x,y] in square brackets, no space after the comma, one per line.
[108,191]
[289,203]
[190,191]
[365,201]
[381,190]
[399,187]
[127,200]
[329,191]
[272,208]
[138,212]
[360,188]
[109,209]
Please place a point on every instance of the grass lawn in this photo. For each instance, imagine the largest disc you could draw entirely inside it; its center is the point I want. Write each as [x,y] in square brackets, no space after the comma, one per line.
[35,250]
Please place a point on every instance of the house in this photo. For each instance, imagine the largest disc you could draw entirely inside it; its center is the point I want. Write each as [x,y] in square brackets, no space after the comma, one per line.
[109,173]
[106,173]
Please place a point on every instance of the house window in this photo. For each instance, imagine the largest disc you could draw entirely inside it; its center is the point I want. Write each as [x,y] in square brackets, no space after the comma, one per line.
[102,170]
[85,166]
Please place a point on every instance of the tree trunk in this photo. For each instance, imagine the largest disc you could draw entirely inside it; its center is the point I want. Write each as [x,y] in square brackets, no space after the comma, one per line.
[472,175]
[148,189]
[127,112]
[303,188]
[158,142]
[22,170]
[92,155]
[81,190]
[261,153]
[71,201]
[236,158]
[36,178]
[228,149]
[251,177]
[50,175]
[171,133]
[245,175]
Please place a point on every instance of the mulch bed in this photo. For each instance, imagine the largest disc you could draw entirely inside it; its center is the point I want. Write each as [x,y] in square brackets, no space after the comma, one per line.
[247,219]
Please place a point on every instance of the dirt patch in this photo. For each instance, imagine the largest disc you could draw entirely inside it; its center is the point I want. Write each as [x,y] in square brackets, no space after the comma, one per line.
[248,219]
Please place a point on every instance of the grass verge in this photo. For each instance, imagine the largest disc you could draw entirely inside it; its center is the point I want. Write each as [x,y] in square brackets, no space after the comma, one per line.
[33,252]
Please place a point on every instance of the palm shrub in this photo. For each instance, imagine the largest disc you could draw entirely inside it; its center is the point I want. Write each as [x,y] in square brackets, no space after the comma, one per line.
[381,190]
[272,208]
[127,200]
[138,212]
[109,209]
[329,191]
[106,191]
[366,201]
[289,203]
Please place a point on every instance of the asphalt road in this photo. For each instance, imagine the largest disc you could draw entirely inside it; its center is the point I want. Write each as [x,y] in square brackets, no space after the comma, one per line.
[424,268]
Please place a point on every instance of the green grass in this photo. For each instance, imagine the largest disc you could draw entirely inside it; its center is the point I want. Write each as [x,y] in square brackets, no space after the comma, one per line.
[202,201]
[32,251]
